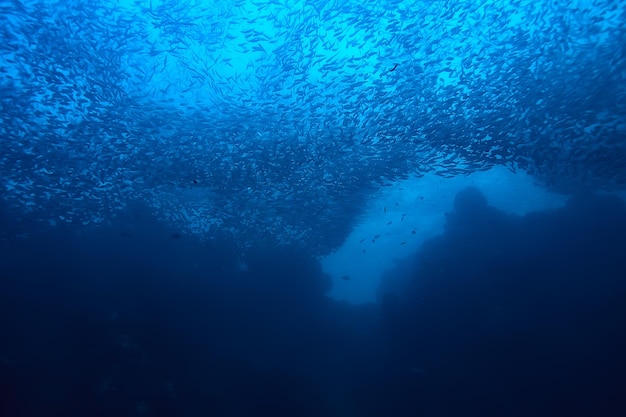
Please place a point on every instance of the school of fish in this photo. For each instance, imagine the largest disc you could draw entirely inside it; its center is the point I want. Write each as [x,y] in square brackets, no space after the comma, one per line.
[271,122]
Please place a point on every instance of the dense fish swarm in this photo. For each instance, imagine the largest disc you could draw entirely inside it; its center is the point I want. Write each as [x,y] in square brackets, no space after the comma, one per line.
[269,122]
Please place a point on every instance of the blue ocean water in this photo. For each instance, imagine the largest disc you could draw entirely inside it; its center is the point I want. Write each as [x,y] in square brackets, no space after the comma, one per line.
[312,208]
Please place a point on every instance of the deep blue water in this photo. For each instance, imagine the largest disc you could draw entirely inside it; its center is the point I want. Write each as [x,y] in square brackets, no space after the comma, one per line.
[189,192]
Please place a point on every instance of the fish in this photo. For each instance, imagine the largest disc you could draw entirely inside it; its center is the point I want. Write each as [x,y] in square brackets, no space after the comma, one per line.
[281,136]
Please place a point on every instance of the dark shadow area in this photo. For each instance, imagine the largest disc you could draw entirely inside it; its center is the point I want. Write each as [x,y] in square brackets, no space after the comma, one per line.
[515,316]
[138,320]
[499,316]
